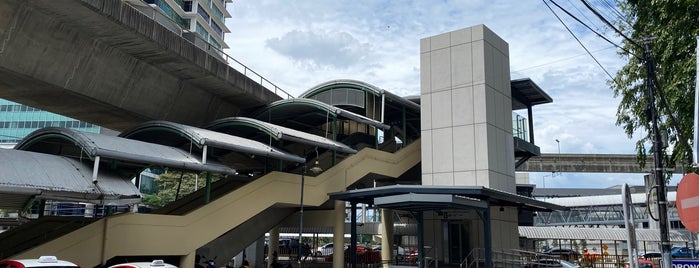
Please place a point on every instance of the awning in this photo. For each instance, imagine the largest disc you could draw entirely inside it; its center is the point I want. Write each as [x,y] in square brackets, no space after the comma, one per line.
[231,125]
[78,145]
[28,175]
[471,193]
[309,112]
[211,138]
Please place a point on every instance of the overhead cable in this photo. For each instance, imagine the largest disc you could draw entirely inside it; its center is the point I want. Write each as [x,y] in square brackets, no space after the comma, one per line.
[579,42]
[609,24]
[588,27]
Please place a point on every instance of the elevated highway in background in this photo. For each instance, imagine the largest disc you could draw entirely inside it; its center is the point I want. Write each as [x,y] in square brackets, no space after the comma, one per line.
[595,163]
[117,64]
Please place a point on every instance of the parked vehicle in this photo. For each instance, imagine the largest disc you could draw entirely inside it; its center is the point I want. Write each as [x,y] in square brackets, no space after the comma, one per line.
[684,252]
[41,262]
[364,255]
[325,250]
[642,264]
[550,263]
[153,264]
[564,254]
[397,250]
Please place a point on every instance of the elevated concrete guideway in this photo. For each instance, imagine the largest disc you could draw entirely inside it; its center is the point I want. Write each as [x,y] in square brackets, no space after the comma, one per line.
[596,163]
[104,62]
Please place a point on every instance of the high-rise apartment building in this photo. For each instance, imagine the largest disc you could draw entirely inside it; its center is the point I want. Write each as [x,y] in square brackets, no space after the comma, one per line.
[205,17]
[18,120]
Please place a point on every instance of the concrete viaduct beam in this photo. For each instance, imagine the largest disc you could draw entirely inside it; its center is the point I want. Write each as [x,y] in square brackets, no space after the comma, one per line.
[104,62]
[602,163]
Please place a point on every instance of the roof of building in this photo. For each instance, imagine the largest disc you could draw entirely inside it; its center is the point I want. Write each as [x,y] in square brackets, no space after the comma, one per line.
[363,86]
[233,125]
[137,154]
[608,234]
[526,93]
[150,131]
[432,197]
[309,112]
[28,175]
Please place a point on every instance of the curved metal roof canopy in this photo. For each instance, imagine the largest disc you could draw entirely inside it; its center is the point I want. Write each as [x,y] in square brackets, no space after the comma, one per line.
[28,175]
[76,144]
[233,125]
[151,132]
[359,85]
[309,112]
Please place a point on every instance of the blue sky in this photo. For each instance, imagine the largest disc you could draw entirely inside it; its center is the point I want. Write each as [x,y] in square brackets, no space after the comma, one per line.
[299,44]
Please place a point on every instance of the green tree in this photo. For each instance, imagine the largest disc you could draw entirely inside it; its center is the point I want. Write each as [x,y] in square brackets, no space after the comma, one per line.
[671,27]
[174,185]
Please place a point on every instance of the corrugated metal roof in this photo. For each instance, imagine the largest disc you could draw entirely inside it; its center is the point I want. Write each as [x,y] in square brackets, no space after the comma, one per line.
[602,200]
[299,114]
[25,175]
[534,232]
[119,148]
[284,133]
[217,139]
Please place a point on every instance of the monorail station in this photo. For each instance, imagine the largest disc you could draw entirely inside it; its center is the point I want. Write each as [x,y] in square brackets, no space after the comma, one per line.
[438,169]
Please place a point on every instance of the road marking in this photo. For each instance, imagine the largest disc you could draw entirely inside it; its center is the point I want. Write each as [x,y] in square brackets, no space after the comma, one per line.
[690,202]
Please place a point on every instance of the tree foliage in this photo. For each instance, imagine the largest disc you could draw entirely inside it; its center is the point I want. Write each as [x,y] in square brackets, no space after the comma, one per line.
[671,27]
[174,185]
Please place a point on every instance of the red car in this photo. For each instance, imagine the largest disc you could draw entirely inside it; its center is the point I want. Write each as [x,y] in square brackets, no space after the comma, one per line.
[364,255]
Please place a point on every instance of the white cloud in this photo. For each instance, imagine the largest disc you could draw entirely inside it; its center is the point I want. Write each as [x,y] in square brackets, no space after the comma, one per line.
[299,44]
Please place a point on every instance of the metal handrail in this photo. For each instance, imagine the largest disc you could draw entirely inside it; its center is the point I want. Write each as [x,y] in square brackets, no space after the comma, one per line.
[225,57]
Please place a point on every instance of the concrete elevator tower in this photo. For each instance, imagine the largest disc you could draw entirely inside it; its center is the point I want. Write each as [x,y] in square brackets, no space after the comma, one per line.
[466,119]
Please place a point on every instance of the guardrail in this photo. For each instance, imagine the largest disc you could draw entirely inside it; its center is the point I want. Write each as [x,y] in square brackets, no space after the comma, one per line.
[157,16]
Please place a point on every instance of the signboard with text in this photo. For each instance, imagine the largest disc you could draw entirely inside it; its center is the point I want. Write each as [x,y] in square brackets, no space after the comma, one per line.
[680,263]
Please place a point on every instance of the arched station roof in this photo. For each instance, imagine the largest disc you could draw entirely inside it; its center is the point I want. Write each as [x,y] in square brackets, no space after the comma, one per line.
[240,126]
[82,145]
[58,178]
[359,85]
[174,134]
[299,113]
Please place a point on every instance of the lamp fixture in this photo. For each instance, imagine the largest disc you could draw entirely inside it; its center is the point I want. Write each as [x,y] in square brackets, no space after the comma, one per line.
[316,166]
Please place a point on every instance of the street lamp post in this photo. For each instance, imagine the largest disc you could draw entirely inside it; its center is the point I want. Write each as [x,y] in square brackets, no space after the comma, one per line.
[303,179]
[315,169]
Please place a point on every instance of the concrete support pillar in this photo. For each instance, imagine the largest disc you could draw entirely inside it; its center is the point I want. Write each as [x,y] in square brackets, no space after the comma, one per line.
[187,261]
[387,245]
[273,244]
[339,235]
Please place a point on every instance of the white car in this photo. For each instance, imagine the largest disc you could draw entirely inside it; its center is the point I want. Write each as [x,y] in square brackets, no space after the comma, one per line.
[41,262]
[153,264]
[325,250]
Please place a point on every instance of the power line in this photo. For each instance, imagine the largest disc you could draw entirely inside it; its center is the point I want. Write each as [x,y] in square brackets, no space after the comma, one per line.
[560,60]
[609,24]
[579,42]
[612,8]
[588,27]
[583,14]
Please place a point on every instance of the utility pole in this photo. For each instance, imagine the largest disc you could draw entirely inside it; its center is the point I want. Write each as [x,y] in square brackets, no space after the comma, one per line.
[665,245]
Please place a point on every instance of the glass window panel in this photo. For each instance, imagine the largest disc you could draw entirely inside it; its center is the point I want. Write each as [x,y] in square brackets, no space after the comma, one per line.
[355,97]
[339,96]
[324,97]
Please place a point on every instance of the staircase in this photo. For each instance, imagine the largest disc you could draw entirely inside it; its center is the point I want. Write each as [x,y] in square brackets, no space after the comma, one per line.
[132,234]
